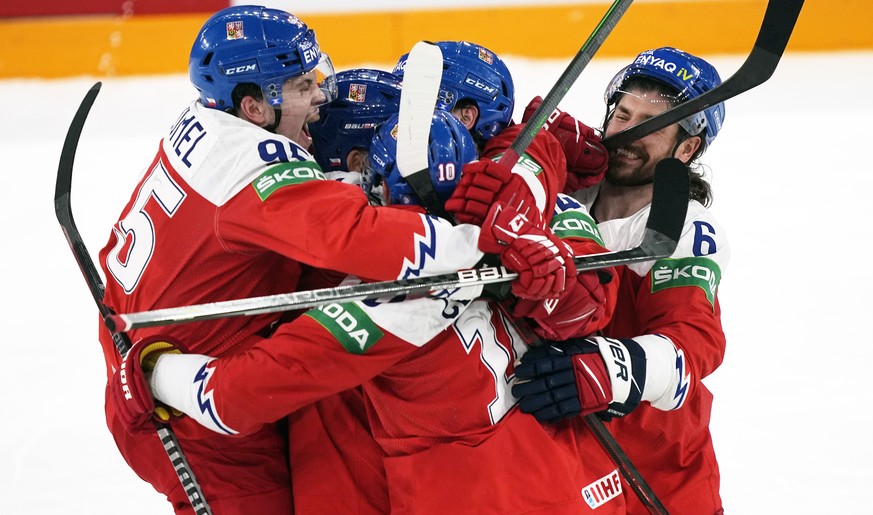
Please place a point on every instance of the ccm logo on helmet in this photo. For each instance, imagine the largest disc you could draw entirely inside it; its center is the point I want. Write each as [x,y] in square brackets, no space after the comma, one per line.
[476,82]
[245,68]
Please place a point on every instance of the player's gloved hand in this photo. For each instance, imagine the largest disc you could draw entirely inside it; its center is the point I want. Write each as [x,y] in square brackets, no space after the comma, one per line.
[562,380]
[542,261]
[587,158]
[482,184]
[577,312]
[130,386]
[580,376]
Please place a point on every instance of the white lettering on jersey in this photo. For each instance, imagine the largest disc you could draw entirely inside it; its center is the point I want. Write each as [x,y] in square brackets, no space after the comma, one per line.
[137,228]
[477,324]
[602,490]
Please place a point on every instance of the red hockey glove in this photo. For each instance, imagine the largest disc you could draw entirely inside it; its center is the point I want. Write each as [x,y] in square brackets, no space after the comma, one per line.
[577,312]
[587,158]
[542,261]
[130,388]
[482,184]
[564,379]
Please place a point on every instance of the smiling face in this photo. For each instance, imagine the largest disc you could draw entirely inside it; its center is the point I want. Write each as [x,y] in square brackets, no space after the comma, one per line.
[634,164]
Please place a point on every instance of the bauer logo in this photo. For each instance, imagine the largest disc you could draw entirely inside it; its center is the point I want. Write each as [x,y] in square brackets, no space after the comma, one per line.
[286,174]
[349,324]
[691,271]
[603,490]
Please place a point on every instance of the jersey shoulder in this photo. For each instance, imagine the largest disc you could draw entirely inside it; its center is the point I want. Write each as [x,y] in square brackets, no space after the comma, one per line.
[703,236]
[219,154]
[703,247]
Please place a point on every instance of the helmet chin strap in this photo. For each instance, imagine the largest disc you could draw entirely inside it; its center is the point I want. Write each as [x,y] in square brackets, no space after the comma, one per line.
[272,127]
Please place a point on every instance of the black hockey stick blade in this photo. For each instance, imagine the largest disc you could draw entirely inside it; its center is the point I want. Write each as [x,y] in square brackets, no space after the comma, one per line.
[664,225]
[776,28]
[63,206]
[64,213]
[565,82]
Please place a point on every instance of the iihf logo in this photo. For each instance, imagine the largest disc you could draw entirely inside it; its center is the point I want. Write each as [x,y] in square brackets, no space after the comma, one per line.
[603,490]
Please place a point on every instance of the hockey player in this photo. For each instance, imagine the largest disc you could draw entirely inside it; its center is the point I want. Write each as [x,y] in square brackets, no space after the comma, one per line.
[441,410]
[233,206]
[335,462]
[666,334]
[477,87]
[342,134]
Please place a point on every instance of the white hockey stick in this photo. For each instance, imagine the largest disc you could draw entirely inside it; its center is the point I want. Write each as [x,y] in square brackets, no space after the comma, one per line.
[663,229]
[421,85]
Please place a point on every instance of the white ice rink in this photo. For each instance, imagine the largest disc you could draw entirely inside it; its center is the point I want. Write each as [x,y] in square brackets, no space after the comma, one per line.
[793,416]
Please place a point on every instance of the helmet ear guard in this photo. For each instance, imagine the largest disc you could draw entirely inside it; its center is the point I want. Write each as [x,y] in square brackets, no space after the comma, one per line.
[686,75]
[252,44]
[450,147]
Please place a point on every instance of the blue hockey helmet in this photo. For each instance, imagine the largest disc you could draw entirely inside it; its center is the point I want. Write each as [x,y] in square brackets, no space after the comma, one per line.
[473,72]
[450,146]
[254,44]
[365,99]
[689,76]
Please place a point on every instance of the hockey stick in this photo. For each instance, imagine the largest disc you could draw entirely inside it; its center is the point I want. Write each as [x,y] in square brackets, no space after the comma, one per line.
[663,229]
[421,84]
[64,213]
[565,81]
[779,20]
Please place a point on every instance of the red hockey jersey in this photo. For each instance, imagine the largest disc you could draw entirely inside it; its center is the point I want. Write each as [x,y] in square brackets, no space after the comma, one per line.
[441,411]
[227,210]
[675,298]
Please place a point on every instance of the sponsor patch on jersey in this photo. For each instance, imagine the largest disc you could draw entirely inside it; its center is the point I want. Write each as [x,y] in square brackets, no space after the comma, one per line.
[349,324]
[603,490]
[286,174]
[689,271]
[576,224]
[235,30]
